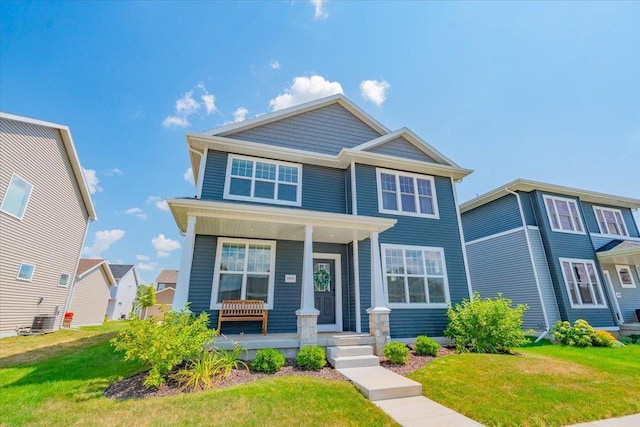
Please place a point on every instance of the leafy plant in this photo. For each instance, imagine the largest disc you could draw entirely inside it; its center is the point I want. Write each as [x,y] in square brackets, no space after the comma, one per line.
[229,360]
[311,358]
[486,325]
[396,352]
[603,339]
[200,373]
[426,346]
[579,335]
[268,360]
[146,296]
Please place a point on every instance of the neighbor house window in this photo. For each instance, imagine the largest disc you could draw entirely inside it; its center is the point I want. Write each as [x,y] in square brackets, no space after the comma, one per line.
[610,221]
[563,214]
[406,193]
[625,276]
[244,269]
[415,276]
[17,196]
[63,280]
[25,272]
[263,180]
[583,285]
[161,286]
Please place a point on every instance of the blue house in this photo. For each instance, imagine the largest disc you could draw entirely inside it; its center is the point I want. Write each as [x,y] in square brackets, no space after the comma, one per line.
[337,223]
[569,254]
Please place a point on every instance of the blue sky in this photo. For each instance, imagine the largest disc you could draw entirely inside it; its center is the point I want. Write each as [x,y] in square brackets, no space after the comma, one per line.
[548,91]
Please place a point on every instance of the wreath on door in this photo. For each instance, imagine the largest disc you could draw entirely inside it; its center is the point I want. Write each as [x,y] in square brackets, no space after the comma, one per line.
[321,280]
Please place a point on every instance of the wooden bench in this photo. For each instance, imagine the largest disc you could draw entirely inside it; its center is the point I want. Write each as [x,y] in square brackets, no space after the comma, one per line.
[239,310]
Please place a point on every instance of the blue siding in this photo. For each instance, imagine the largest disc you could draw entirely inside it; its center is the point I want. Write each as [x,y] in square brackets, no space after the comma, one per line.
[494,217]
[592,224]
[400,147]
[214,176]
[364,260]
[629,300]
[350,318]
[347,191]
[527,208]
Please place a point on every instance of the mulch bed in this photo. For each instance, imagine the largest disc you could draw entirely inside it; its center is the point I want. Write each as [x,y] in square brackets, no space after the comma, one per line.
[133,388]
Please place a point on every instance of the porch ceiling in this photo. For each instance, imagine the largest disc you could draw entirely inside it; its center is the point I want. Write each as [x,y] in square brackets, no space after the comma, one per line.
[625,253]
[268,222]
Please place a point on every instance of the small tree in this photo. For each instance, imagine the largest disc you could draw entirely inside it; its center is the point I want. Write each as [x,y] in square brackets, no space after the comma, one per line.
[146,296]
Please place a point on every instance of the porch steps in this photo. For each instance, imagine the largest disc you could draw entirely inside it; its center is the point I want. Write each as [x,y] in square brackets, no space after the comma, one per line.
[342,340]
[353,356]
[377,383]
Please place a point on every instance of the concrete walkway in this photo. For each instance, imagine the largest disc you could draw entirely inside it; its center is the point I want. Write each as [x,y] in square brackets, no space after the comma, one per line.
[628,421]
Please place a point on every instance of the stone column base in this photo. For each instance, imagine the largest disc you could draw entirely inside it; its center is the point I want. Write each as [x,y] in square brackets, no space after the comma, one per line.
[307,328]
[379,328]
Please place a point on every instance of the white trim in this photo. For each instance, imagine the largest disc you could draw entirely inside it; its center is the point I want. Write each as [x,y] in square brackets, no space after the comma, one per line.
[574,225]
[356,285]
[613,236]
[354,192]
[398,194]
[216,273]
[462,244]
[607,328]
[633,280]
[68,280]
[33,272]
[618,312]
[15,175]
[495,236]
[201,172]
[533,227]
[413,305]
[593,296]
[227,182]
[333,327]
[613,211]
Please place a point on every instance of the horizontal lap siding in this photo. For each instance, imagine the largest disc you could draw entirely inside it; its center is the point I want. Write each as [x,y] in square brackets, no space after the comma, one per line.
[527,208]
[544,277]
[90,299]
[495,217]
[400,147]
[350,325]
[629,300]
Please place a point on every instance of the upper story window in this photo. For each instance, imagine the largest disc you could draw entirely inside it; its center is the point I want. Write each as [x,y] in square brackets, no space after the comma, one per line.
[582,283]
[262,180]
[610,221]
[17,196]
[405,193]
[563,214]
[63,281]
[25,272]
[161,286]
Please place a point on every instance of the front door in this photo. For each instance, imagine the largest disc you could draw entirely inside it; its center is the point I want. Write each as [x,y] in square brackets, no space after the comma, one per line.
[324,290]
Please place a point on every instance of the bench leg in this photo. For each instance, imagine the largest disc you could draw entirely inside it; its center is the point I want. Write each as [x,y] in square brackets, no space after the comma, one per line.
[219,322]
[264,323]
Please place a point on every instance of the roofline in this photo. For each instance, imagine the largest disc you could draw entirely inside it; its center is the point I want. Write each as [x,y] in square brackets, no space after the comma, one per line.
[521,184]
[104,264]
[166,289]
[71,153]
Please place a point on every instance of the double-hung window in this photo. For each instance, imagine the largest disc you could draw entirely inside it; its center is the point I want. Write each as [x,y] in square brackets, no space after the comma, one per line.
[625,276]
[262,180]
[563,214]
[415,276]
[610,221]
[406,194]
[244,269]
[17,196]
[583,285]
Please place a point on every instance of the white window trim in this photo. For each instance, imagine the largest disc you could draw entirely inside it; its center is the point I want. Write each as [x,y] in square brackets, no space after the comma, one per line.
[633,280]
[599,287]
[216,273]
[15,175]
[560,230]
[413,305]
[227,182]
[68,280]
[33,272]
[431,179]
[612,210]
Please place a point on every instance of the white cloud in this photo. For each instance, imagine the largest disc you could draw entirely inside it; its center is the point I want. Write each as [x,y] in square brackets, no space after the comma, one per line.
[188,106]
[305,89]
[112,172]
[159,202]
[103,240]
[188,176]
[374,91]
[137,212]
[147,266]
[240,114]
[319,12]
[176,121]
[275,65]
[208,99]
[164,245]
[92,180]
[142,258]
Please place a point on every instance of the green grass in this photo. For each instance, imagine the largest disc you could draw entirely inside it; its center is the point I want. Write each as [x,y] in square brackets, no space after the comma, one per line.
[58,379]
[544,385]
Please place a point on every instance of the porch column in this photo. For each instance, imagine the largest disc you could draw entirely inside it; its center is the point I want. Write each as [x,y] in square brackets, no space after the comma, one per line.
[378,312]
[181,295]
[307,314]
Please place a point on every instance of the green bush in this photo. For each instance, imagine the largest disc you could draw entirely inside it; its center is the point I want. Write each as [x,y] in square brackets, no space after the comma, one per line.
[603,339]
[211,367]
[396,352]
[163,345]
[426,346]
[579,335]
[311,358]
[486,325]
[626,340]
[268,360]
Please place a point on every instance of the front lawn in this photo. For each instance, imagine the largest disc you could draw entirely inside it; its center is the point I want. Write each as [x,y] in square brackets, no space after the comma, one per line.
[546,385]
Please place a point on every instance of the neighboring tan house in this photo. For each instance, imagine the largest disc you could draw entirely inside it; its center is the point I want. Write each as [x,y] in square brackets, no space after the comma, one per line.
[165,290]
[91,291]
[45,210]
[124,293]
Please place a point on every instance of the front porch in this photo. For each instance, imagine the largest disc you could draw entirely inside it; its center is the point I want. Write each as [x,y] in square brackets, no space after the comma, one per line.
[630,329]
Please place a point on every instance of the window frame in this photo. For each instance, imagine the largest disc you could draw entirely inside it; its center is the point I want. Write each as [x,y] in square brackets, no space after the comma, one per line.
[214,305]
[33,272]
[613,211]
[575,202]
[68,280]
[415,176]
[629,269]
[415,305]
[227,182]
[599,284]
[26,204]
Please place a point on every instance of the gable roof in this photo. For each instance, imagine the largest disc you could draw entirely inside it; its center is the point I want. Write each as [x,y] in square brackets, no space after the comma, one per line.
[528,185]
[119,270]
[167,276]
[87,266]
[71,153]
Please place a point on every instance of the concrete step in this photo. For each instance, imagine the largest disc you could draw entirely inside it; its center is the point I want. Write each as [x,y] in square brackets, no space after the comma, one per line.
[377,383]
[345,340]
[354,361]
[349,350]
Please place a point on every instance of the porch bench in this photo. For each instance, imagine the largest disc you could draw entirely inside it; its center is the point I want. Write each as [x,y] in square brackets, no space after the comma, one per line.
[238,310]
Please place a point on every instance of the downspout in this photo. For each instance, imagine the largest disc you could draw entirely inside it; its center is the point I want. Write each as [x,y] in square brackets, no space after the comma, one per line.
[72,291]
[533,263]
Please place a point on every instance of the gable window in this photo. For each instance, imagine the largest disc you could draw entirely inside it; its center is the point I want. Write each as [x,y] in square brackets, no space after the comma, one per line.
[563,214]
[17,196]
[262,180]
[161,286]
[25,272]
[582,283]
[610,221]
[63,281]
[244,269]
[406,194]
[625,276]
[415,276]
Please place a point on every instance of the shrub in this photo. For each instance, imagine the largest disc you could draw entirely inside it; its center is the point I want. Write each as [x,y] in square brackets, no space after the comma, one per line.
[626,340]
[396,352]
[426,346]
[578,335]
[200,373]
[268,360]
[486,325]
[311,358]
[163,345]
[603,339]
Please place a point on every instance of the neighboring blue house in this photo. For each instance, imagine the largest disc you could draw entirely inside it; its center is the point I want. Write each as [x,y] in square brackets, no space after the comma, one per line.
[293,206]
[569,254]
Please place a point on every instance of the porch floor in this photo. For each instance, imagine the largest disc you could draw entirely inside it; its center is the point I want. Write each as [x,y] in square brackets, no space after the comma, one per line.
[630,328]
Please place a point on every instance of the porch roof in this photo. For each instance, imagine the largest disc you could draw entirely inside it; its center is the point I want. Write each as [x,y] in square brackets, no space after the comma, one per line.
[626,252]
[269,222]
